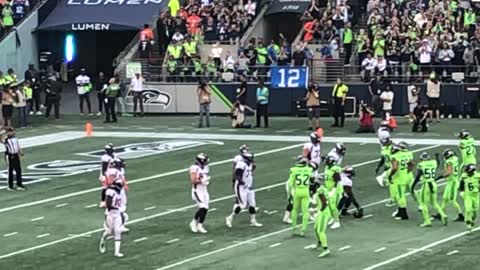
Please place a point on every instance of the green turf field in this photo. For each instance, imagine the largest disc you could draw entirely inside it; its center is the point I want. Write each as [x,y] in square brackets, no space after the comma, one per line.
[55,224]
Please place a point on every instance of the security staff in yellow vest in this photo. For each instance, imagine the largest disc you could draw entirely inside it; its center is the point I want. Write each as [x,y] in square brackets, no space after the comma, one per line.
[28,91]
[190,47]
[339,95]
[172,65]
[175,50]
[10,78]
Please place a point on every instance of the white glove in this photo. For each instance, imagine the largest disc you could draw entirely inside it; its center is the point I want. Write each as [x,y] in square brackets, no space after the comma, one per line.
[206,180]
[462,194]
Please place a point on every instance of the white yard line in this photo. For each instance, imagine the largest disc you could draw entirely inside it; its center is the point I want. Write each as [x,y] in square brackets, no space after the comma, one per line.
[452,252]
[415,249]
[275,245]
[10,234]
[139,180]
[140,239]
[410,253]
[282,184]
[310,246]
[272,212]
[36,219]
[206,242]
[43,235]
[173,241]
[91,206]
[380,249]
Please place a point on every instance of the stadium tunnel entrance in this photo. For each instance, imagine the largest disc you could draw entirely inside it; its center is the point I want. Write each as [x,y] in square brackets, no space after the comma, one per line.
[91,33]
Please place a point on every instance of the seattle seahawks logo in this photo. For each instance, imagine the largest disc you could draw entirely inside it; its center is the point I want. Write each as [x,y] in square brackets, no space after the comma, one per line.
[156,97]
[60,168]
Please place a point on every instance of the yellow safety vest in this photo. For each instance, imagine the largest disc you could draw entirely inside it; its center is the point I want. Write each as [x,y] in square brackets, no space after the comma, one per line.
[190,47]
[28,92]
[339,91]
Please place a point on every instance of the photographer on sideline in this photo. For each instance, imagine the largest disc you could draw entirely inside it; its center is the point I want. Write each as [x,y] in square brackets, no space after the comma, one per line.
[366,119]
[313,106]
[420,115]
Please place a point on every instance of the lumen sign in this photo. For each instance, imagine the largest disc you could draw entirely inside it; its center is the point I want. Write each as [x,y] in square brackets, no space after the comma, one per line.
[112,2]
[90,26]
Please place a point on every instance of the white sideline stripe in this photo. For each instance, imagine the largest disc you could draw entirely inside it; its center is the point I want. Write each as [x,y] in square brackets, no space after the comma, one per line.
[61,205]
[47,139]
[272,138]
[436,243]
[139,180]
[86,235]
[452,252]
[91,206]
[206,242]
[275,245]
[149,208]
[380,249]
[10,234]
[36,219]
[189,207]
[43,235]
[344,248]
[140,239]
[173,241]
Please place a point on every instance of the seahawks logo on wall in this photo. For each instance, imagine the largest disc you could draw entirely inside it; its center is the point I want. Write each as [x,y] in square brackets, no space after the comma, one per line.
[60,168]
[152,97]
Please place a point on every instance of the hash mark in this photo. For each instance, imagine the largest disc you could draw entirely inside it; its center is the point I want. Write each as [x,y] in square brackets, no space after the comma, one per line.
[368,216]
[275,245]
[310,246]
[344,248]
[91,206]
[10,234]
[150,208]
[43,235]
[173,241]
[61,205]
[36,219]
[140,239]
[380,249]
[452,252]
[206,242]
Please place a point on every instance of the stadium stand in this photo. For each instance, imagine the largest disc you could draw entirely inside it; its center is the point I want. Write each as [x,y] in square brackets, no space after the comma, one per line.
[12,12]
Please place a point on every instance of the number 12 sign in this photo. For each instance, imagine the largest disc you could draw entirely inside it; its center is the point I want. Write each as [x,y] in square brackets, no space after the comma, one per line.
[289,77]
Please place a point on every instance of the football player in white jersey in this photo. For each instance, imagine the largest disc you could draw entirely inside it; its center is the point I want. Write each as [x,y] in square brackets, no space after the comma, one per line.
[338,153]
[348,197]
[121,168]
[244,190]
[243,149]
[312,149]
[200,180]
[383,132]
[106,158]
[113,217]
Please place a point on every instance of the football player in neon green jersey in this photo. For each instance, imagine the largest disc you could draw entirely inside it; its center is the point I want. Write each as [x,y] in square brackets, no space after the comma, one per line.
[321,221]
[401,177]
[427,195]
[467,148]
[334,187]
[386,162]
[299,186]
[470,189]
[451,173]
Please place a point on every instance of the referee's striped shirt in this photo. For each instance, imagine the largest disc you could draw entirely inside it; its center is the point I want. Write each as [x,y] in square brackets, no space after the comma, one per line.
[12,146]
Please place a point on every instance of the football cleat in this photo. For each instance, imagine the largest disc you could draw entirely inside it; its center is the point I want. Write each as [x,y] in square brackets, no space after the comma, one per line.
[324,253]
[200,228]
[287,220]
[460,218]
[425,225]
[254,223]
[193,226]
[390,204]
[228,221]
[335,225]
[102,247]
[125,229]
[118,255]
[330,222]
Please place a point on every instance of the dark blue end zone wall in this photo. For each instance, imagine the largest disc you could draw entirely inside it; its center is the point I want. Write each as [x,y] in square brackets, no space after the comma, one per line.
[282,101]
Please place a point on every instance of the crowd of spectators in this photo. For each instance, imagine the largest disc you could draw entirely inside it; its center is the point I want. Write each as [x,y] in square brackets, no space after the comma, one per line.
[11,12]
[330,25]
[415,37]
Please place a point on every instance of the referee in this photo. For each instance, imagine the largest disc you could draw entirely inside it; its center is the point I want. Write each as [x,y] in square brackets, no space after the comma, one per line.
[339,95]
[12,156]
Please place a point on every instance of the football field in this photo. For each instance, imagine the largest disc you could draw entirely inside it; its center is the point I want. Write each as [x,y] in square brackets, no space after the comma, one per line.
[56,223]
